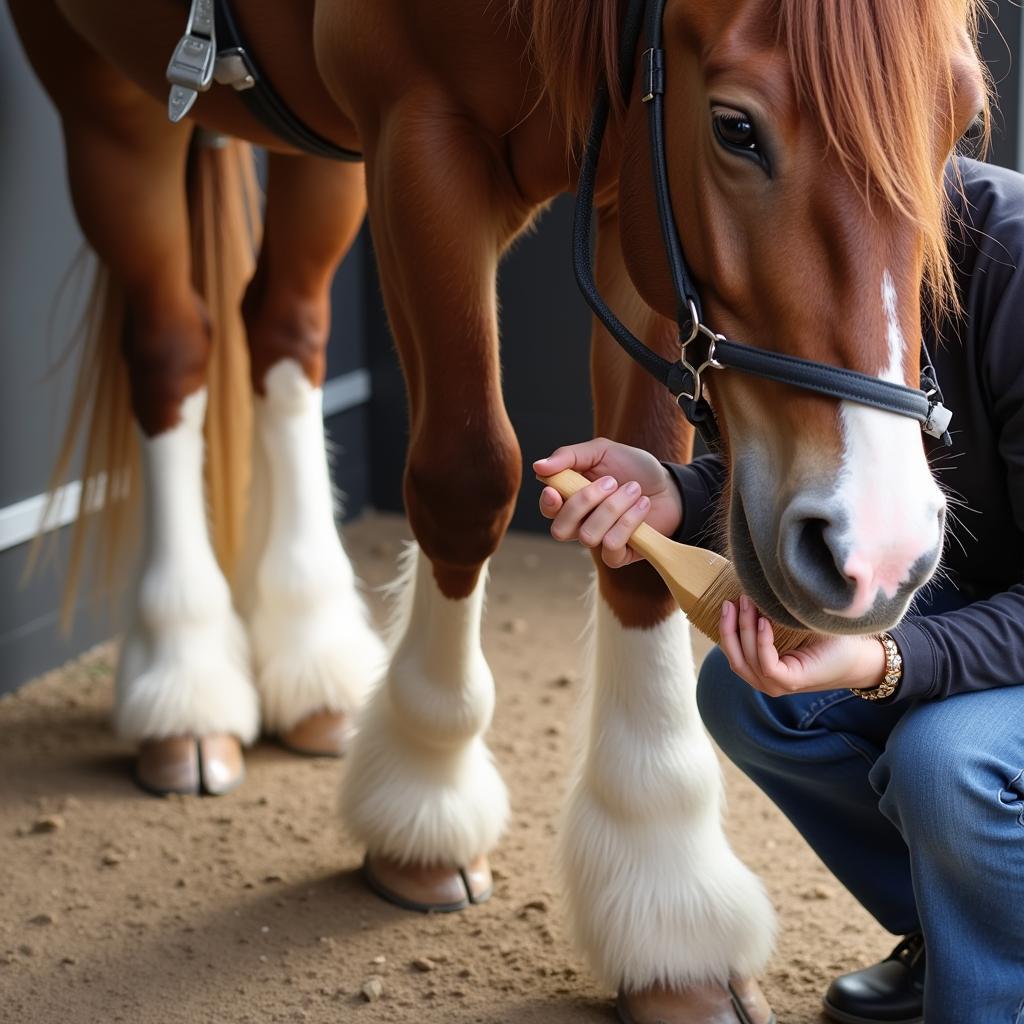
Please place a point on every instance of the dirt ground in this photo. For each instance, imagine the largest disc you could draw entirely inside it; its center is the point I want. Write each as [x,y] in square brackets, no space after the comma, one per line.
[115,906]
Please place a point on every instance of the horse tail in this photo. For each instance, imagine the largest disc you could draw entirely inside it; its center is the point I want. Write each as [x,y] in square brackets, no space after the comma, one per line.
[224,210]
[224,215]
[100,424]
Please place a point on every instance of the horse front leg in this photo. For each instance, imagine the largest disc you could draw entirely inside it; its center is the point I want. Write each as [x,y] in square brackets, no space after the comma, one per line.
[314,652]
[662,907]
[422,792]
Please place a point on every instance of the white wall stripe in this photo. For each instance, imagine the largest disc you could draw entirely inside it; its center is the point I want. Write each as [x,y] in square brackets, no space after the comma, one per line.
[346,392]
[21,521]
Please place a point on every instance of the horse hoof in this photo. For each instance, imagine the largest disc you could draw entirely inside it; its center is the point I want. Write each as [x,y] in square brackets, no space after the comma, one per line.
[739,1002]
[429,889]
[187,765]
[321,734]
[220,764]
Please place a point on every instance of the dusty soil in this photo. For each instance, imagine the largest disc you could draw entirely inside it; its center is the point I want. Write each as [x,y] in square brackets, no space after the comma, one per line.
[115,906]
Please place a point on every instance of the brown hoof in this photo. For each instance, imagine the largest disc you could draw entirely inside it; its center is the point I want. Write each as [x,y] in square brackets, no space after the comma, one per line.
[220,764]
[186,765]
[739,1002]
[429,889]
[321,734]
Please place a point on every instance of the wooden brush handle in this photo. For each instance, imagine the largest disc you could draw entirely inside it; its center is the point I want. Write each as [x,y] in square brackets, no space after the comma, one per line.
[645,538]
[702,602]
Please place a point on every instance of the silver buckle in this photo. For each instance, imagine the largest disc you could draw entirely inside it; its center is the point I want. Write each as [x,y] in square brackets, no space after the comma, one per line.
[709,363]
[650,74]
[190,70]
[939,418]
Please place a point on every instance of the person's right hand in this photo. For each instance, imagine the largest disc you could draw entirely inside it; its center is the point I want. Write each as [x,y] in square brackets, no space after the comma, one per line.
[630,487]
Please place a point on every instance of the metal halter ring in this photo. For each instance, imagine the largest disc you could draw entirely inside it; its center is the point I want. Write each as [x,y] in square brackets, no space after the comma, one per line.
[709,363]
[695,323]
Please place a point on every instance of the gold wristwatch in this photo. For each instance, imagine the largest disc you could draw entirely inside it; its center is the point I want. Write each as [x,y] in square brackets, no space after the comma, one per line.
[893,672]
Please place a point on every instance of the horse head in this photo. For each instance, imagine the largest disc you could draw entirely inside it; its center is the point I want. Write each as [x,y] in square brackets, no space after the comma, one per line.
[807,149]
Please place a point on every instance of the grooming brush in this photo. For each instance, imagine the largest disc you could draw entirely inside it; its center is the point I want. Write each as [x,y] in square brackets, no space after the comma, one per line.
[699,580]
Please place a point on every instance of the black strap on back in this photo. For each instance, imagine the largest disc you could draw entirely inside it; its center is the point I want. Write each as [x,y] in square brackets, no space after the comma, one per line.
[683,378]
[263,100]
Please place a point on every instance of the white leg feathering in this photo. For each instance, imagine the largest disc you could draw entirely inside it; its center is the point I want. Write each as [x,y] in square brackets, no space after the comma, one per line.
[313,647]
[655,894]
[184,666]
[421,786]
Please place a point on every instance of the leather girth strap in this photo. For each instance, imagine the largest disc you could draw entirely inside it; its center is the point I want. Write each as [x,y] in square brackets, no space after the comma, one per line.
[263,100]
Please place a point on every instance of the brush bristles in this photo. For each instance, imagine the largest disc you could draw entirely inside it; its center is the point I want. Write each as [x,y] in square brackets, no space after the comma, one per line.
[706,613]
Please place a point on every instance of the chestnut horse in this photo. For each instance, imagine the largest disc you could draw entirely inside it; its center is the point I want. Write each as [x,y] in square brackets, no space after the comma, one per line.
[806,147]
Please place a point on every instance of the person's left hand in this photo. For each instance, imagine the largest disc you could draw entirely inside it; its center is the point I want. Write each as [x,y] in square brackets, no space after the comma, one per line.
[831,663]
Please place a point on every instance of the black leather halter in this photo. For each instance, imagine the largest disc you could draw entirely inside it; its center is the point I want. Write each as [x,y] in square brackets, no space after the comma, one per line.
[701,349]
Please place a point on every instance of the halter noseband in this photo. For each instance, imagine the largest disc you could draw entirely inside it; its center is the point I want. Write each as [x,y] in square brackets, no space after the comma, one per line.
[701,349]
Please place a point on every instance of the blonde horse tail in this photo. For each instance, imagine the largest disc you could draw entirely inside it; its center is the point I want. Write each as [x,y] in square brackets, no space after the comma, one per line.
[100,420]
[224,213]
[225,218]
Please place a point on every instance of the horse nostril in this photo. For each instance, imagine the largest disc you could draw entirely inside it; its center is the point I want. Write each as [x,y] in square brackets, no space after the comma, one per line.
[859,567]
[813,564]
[811,545]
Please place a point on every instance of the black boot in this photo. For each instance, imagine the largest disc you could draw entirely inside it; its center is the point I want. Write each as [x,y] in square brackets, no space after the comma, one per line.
[890,992]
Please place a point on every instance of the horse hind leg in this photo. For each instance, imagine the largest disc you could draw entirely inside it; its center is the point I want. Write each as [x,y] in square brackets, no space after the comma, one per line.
[183,687]
[183,690]
[314,651]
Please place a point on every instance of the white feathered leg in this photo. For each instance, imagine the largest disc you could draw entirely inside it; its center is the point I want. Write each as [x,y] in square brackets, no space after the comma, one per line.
[421,787]
[656,895]
[313,647]
[184,666]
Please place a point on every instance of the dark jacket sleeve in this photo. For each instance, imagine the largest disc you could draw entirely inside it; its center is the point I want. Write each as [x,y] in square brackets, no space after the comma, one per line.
[977,647]
[700,484]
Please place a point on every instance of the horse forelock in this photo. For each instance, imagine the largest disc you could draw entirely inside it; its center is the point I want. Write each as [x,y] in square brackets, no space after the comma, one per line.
[878,77]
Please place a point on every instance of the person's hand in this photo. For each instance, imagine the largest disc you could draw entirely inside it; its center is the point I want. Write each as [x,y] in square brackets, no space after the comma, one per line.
[830,663]
[630,486]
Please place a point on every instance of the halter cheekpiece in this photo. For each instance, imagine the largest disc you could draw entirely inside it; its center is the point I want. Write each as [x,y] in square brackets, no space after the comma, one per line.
[701,349]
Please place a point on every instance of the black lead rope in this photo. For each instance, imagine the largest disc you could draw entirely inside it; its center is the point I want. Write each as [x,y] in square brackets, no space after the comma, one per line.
[684,377]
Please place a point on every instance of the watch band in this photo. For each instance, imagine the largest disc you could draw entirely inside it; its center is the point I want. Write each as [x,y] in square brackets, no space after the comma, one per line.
[893,671]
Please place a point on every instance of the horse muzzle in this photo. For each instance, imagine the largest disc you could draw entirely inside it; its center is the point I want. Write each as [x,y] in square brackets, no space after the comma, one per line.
[818,566]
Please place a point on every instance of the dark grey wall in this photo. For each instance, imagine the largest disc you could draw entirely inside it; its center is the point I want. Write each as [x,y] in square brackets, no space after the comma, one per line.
[38,242]
[1000,46]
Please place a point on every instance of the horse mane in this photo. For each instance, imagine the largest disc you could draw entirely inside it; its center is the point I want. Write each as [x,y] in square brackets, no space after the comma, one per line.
[851,71]
[575,46]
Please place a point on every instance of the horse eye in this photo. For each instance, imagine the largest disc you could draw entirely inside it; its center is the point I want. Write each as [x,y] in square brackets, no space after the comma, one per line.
[735,131]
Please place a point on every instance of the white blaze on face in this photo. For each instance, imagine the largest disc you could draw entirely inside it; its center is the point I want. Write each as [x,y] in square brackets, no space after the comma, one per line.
[893,372]
[885,488]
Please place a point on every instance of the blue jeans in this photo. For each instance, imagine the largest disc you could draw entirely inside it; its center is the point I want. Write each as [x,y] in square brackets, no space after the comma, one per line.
[917,808]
